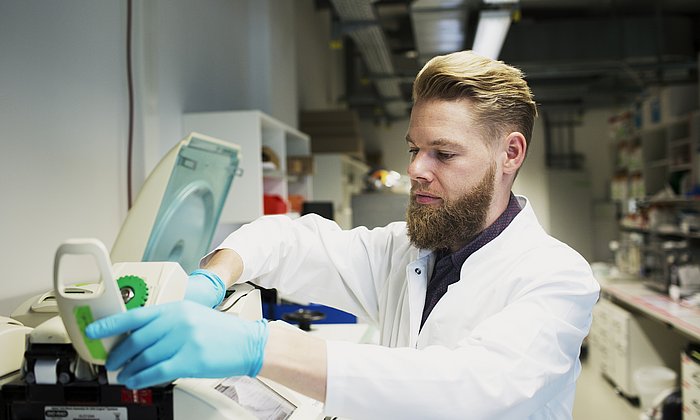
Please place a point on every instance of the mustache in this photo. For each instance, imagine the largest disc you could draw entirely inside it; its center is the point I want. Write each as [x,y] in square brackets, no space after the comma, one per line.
[423,191]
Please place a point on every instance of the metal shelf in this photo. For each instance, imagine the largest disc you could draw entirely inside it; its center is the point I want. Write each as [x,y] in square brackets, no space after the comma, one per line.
[664,232]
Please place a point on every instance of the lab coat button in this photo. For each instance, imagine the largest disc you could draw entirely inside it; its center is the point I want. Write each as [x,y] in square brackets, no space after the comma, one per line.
[418,271]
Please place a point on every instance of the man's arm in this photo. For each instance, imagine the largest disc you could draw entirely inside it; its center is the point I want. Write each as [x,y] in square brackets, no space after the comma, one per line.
[297,360]
[227,264]
[292,358]
[309,259]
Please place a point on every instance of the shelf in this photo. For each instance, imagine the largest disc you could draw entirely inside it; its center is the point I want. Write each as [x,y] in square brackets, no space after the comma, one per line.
[291,178]
[680,142]
[628,171]
[652,129]
[664,232]
[663,125]
[273,174]
[678,201]
[679,167]
[668,156]
[630,139]
[660,163]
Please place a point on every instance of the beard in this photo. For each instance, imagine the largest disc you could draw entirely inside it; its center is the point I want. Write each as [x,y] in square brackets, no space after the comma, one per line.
[453,224]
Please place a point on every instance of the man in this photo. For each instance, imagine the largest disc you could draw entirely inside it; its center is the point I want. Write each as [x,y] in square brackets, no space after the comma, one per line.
[481,314]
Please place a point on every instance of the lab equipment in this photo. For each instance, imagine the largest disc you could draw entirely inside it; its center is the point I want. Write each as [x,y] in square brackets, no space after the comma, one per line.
[62,369]
[141,284]
[661,261]
[176,212]
[170,225]
[173,217]
[57,381]
[12,337]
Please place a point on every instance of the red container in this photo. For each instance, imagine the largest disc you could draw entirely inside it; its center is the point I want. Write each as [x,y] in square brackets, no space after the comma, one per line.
[274,204]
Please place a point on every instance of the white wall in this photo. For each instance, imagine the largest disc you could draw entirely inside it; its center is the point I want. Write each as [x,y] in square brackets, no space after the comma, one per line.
[532,180]
[570,209]
[320,75]
[213,55]
[593,140]
[63,107]
[389,141]
[63,119]
[273,59]
[191,56]
[575,197]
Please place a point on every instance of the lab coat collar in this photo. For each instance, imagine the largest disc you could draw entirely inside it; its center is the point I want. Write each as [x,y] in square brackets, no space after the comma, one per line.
[422,253]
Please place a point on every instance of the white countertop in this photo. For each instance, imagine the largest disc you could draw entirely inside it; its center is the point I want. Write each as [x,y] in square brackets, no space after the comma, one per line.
[635,295]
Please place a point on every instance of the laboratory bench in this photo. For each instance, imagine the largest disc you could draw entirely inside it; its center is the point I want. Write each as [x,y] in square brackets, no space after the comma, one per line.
[638,298]
[635,326]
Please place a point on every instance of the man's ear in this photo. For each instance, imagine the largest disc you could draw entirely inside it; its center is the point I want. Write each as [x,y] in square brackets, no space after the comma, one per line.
[515,150]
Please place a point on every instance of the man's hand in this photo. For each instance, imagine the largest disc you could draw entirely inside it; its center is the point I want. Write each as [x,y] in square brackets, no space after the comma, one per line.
[181,339]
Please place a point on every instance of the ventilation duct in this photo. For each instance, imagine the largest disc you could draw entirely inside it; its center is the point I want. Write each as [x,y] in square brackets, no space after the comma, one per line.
[439,27]
[360,18]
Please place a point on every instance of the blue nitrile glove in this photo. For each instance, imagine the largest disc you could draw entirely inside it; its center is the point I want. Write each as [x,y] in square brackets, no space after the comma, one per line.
[181,340]
[205,287]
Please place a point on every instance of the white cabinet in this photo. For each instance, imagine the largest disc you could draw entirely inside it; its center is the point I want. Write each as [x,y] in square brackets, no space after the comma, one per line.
[690,386]
[621,343]
[252,130]
[336,178]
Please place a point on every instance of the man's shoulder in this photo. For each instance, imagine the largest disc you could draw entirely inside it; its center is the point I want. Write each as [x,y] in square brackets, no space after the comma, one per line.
[395,232]
[528,245]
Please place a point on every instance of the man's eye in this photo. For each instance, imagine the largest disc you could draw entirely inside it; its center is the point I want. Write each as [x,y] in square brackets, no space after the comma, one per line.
[412,151]
[445,155]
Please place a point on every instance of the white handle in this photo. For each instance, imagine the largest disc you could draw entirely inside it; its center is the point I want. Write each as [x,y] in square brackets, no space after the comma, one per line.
[80,309]
[83,246]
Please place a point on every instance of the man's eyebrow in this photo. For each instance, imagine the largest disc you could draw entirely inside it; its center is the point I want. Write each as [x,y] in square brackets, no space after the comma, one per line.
[439,142]
[445,142]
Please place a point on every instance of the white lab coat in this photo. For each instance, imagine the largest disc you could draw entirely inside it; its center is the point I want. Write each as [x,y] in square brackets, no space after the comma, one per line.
[502,343]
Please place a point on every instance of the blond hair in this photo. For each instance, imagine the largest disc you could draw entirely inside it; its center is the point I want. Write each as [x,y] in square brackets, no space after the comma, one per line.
[501,99]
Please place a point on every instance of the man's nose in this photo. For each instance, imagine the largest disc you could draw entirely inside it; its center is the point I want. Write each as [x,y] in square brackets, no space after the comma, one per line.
[420,168]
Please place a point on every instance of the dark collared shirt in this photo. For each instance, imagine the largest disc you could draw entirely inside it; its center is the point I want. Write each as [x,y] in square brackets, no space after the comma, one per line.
[448,266]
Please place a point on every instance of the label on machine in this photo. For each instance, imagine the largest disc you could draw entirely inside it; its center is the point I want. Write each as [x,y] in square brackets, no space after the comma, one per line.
[256,397]
[84,413]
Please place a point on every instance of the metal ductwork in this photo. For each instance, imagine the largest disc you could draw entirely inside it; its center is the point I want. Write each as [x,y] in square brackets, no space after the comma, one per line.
[580,53]
[360,23]
[600,61]
[439,27]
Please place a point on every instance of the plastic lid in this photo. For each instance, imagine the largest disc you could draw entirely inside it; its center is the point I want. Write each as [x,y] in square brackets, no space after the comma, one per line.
[192,202]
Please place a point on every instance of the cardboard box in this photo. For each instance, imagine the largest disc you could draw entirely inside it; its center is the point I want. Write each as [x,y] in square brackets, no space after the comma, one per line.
[300,165]
[333,131]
